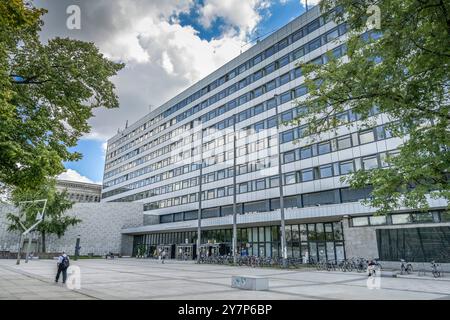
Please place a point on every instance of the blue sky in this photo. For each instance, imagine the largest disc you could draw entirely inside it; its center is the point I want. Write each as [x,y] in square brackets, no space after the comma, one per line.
[162,67]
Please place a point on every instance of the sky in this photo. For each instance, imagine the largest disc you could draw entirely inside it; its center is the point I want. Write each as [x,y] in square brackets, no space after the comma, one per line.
[167,45]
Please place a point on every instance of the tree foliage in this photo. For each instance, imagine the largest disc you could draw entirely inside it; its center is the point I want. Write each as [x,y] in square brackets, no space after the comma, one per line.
[55,219]
[405,74]
[47,94]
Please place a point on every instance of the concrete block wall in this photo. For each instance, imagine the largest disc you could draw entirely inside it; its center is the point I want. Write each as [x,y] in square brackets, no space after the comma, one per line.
[99,231]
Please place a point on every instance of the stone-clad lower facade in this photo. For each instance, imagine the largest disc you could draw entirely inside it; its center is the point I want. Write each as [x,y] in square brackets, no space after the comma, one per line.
[99,231]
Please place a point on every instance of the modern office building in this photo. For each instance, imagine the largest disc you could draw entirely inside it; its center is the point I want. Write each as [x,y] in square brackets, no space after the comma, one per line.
[157,161]
[80,191]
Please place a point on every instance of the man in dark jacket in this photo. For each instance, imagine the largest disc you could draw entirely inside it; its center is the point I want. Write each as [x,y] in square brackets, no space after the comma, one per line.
[62,264]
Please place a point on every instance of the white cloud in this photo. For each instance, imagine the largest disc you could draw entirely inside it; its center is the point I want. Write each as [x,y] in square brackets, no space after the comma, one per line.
[242,14]
[73,175]
[162,57]
[311,3]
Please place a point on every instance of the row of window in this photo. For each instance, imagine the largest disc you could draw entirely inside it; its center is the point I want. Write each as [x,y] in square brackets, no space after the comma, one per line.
[214,159]
[253,111]
[304,175]
[312,241]
[242,84]
[334,196]
[295,36]
[375,134]
[401,218]
[328,231]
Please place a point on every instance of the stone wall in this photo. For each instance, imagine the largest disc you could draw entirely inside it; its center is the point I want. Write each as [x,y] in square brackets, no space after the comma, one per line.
[99,231]
[362,241]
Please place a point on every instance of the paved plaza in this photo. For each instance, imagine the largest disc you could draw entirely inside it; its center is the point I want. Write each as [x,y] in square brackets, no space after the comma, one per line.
[149,279]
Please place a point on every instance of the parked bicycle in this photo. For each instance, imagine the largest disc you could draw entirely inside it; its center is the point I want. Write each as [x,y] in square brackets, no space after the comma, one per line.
[405,267]
[435,269]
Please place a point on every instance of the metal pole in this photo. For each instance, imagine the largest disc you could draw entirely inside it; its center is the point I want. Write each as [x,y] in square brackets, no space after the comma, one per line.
[280,186]
[234,193]
[20,248]
[199,227]
[28,248]
[77,248]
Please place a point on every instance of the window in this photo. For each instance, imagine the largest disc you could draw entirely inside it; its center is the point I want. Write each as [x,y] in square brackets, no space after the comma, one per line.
[401,218]
[257,59]
[221,192]
[210,194]
[287,136]
[271,85]
[307,175]
[285,78]
[274,182]
[299,53]
[289,156]
[272,122]
[346,167]
[360,221]
[370,162]
[298,35]
[332,35]
[259,126]
[243,187]
[258,91]
[301,91]
[313,26]
[306,152]
[326,171]
[344,142]
[260,184]
[324,147]
[270,68]
[272,103]
[377,220]
[285,97]
[242,116]
[258,75]
[283,44]
[269,51]
[258,109]
[366,136]
[289,178]
[220,174]
[283,61]
[313,45]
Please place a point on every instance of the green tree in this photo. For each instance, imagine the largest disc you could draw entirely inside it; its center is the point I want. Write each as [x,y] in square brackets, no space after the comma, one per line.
[403,70]
[55,219]
[47,94]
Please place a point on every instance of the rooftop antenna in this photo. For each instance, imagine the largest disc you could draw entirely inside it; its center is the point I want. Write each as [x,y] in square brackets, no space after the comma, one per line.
[306,5]
[126,124]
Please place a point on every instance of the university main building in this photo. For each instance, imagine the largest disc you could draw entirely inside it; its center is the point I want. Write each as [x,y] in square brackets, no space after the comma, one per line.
[158,160]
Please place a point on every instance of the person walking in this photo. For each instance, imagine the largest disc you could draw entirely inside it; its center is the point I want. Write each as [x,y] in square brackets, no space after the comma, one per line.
[163,256]
[62,264]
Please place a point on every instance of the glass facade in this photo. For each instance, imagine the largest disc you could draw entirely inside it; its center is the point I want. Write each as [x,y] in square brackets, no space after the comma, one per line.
[414,244]
[308,242]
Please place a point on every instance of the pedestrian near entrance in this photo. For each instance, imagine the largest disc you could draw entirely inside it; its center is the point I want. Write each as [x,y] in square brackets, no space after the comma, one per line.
[62,264]
[163,256]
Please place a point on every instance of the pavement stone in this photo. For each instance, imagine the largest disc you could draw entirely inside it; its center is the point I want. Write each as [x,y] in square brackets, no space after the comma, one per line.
[147,279]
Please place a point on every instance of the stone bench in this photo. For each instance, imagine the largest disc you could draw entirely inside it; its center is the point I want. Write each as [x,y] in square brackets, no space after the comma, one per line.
[250,283]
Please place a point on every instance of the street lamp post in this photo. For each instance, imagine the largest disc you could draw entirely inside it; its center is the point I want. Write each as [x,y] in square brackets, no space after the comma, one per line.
[234,193]
[280,187]
[199,226]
